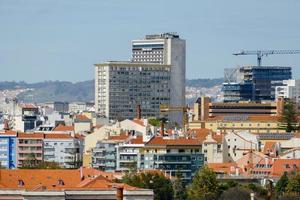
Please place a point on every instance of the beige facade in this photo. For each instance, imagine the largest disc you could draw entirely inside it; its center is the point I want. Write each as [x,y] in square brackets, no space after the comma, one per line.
[212,150]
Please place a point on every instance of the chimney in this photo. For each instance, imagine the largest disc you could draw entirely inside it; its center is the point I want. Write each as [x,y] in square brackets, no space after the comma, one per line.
[6,126]
[81,173]
[119,194]
[138,112]
[162,128]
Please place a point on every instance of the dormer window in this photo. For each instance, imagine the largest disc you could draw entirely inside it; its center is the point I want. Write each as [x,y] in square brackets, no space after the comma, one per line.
[21,183]
[61,182]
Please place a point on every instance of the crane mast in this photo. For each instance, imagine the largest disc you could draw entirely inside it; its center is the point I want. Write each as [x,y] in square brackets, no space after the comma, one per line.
[261,53]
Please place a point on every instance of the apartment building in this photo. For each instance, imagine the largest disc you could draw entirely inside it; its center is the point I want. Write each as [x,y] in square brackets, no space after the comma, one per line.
[171,155]
[240,143]
[121,86]
[26,117]
[104,156]
[290,89]
[29,149]
[8,142]
[82,124]
[63,149]
[128,154]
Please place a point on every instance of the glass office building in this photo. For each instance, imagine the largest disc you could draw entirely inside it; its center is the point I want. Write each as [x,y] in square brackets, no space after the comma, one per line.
[255,83]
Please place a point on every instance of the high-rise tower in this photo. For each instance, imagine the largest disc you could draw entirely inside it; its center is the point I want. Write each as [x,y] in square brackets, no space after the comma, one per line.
[169,49]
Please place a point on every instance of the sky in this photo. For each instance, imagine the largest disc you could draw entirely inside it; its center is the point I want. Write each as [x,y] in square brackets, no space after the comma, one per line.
[62,39]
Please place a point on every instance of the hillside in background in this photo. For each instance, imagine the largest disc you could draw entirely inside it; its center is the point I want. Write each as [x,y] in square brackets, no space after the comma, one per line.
[80,91]
[204,83]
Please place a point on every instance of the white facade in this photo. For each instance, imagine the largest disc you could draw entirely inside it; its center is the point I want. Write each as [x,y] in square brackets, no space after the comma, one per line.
[290,89]
[77,107]
[121,86]
[213,152]
[64,151]
[238,144]
[165,48]
[291,154]
[128,155]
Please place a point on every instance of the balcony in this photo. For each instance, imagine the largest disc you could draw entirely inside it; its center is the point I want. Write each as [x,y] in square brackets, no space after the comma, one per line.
[26,158]
[30,144]
[127,161]
[30,151]
[128,153]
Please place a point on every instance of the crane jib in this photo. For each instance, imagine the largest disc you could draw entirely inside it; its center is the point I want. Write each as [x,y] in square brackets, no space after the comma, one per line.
[261,53]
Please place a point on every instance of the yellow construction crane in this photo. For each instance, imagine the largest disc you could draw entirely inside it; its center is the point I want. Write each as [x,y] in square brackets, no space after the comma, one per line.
[165,108]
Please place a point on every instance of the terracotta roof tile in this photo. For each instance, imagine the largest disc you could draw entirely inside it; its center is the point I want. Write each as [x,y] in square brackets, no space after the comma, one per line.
[122,136]
[41,179]
[82,118]
[137,140]
[29,106]
[61,127]
[158,140]
[58,136]
[224,168]
[285,165]
[8,133]
[269,147]
[31,135]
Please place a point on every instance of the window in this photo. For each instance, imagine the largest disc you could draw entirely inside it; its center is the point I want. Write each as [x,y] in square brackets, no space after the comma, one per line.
[181,150]
[21,183]
[61,182]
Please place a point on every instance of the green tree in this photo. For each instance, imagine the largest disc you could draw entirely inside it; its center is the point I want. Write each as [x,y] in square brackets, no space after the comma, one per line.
[281,185]
[162,186]
[289,116]
[31,162]
[293,185]
[235,193]
[154,121]
[204,185]
[47,165]
[179,188]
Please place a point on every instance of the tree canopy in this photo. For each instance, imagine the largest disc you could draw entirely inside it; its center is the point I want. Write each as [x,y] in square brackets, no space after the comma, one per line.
[289,116]
[204,185]
[161,185]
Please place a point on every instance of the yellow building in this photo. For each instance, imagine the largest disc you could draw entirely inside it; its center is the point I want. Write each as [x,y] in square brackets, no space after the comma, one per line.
[253,124]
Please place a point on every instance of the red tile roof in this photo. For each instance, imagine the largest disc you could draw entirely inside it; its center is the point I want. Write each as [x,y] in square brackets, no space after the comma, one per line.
[8,133]
[201,134]
[31,135]
[58,136]
[223,168]
[29,106]
[122,136]
[61,127]
[137,140]
[82,118]
[269,147]
[79,136]
[160,141]
[285,165]
[34,179]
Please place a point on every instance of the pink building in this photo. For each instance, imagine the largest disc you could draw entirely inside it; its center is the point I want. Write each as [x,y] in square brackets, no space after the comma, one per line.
[29,149]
